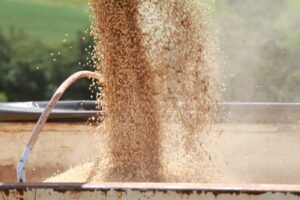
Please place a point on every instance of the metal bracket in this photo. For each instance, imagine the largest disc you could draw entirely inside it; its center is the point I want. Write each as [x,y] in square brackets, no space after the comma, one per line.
[21,164]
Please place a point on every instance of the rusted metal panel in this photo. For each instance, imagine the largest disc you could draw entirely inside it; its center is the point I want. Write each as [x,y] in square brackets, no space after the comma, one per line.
[149,191]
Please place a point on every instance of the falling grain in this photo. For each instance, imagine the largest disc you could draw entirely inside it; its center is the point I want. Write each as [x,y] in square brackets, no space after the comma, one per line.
[158,91]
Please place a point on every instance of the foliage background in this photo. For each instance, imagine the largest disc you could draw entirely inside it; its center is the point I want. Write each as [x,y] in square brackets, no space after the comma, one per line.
[42,42]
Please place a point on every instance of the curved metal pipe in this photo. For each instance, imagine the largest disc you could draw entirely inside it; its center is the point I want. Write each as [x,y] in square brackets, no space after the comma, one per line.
[44,116]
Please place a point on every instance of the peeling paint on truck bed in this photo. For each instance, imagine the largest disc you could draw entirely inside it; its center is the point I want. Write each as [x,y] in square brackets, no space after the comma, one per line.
[149,191]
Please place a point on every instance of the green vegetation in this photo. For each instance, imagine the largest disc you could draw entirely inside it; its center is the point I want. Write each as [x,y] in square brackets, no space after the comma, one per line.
[3,97]
[45,20]
[40,46]
[30,73]
[260,41]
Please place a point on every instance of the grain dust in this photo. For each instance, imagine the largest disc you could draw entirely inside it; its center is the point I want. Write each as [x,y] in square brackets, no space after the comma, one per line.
[158,93]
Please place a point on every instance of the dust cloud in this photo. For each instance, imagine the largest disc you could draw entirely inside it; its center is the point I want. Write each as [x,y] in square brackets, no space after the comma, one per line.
[257,38]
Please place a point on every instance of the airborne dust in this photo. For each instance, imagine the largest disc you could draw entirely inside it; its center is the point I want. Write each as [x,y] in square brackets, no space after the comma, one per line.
[158,92]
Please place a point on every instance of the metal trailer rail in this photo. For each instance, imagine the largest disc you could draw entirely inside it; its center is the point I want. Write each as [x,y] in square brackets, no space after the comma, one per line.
[149,191]
[82,110]
[64,111]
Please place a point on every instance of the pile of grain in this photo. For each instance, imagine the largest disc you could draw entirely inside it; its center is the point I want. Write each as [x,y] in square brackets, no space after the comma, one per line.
[157,71]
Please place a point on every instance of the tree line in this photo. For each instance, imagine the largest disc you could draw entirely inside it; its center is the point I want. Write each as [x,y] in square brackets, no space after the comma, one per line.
[31,70]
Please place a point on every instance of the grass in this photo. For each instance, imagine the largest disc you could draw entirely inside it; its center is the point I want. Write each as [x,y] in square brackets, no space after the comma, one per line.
[45,20]
[50,20]
[70,2]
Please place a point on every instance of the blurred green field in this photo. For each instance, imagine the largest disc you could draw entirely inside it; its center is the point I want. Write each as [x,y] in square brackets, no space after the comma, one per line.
[260,40]
[46,20]
[50,20]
